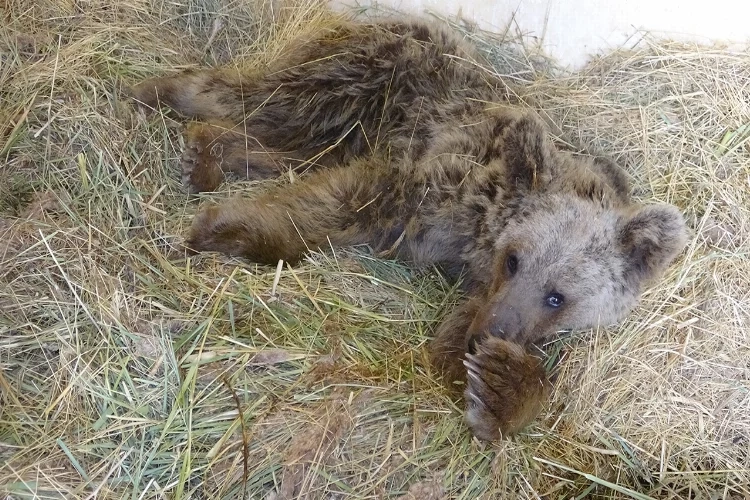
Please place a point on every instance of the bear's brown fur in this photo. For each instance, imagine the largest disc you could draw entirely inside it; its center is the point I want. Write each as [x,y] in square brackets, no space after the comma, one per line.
[429,157]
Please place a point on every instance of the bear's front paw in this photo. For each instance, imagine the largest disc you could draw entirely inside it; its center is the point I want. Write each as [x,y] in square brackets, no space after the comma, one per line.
[144,94]
[505,388]
[203,231]
[219,228]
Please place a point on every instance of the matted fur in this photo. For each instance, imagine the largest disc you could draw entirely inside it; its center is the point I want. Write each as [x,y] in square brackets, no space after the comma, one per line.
[409,148]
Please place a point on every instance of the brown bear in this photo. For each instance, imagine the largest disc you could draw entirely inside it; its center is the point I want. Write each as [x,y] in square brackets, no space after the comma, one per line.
[408,145]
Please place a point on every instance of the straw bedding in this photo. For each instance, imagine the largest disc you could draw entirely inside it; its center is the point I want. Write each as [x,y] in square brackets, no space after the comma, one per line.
[128,370]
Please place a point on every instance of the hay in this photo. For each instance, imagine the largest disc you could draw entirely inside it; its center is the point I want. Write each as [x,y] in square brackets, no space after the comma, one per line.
[128,371]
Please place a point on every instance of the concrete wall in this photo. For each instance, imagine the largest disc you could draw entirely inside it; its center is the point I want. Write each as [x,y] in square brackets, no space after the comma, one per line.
[571,30]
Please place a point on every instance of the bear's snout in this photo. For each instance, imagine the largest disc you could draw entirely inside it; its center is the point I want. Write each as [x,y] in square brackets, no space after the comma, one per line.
[501,319]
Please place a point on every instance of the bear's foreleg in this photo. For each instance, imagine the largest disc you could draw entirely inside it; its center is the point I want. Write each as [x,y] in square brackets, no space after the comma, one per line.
[504,385]
[337,207]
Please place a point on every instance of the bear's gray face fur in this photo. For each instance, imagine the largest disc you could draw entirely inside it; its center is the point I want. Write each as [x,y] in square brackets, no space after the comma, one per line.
[570,250]
[565,262]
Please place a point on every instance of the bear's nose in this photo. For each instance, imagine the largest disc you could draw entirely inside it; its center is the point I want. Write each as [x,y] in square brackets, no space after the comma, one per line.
[506,323]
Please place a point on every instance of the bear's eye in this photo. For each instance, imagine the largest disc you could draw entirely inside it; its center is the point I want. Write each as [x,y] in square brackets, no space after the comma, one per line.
[554,300]
[511,262]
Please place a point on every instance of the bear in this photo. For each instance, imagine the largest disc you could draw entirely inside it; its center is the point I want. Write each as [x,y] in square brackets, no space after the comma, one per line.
[404,142]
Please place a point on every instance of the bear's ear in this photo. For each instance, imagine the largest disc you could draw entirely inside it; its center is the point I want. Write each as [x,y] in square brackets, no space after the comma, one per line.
[650,240]
[528,153]
[611,173]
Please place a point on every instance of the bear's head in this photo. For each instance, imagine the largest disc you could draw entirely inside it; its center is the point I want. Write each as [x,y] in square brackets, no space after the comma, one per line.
[573,252]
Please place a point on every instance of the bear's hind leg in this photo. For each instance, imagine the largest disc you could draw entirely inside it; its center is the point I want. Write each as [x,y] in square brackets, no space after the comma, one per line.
[215,148]
[200,94]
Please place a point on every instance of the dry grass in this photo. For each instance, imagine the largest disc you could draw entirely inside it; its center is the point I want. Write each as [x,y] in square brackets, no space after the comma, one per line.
[129,371]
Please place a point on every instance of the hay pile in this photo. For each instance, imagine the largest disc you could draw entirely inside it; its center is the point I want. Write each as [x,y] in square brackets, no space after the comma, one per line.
[129,371]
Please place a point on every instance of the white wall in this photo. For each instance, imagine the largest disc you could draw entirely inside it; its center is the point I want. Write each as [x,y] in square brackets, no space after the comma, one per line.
[571,30]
